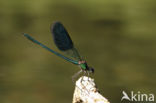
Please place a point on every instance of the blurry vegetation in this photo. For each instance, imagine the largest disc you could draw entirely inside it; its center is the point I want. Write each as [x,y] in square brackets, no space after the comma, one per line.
[117,38]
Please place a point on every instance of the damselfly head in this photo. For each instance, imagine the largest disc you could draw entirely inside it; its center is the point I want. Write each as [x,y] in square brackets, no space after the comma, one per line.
[91,70]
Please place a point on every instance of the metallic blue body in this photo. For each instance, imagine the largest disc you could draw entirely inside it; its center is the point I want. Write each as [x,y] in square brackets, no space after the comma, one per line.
[56,53]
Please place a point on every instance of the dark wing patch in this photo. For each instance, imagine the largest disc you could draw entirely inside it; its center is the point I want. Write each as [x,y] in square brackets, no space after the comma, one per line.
[61,37]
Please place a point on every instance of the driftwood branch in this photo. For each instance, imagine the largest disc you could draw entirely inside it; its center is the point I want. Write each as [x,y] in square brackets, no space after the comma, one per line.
[86,92]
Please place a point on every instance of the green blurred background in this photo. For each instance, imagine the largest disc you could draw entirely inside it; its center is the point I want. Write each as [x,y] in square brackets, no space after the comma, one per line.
[116,37]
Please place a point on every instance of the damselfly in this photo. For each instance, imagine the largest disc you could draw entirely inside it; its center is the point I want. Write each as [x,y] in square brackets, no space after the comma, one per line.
[64,44]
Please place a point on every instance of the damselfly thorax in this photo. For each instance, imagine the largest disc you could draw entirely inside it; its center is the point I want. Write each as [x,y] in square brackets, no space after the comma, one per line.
[84,66]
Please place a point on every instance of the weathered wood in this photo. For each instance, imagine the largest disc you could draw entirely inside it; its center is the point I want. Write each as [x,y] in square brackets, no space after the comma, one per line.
[86,92]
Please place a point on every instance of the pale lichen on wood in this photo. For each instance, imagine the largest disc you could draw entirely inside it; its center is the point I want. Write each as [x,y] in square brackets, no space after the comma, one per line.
[86,92]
